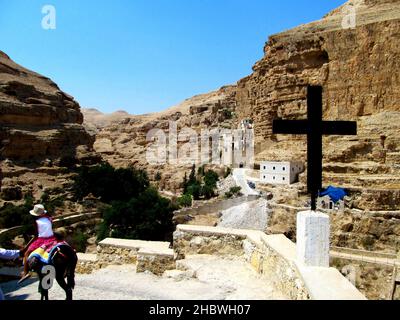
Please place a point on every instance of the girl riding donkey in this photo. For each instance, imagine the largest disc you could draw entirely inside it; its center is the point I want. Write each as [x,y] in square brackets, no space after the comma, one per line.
[45,236]
[48,249]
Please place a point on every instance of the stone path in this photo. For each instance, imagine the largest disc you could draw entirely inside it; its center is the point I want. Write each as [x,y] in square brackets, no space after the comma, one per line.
[241,180]
[201,277]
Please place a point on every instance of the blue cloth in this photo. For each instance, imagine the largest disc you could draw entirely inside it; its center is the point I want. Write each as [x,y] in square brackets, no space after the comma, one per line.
[44,256]
[335,194]
[9,254]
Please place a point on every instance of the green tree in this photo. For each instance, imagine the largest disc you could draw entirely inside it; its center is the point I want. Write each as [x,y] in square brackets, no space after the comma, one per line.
[79,241]
[110,184]
[201,171]
[195,190]
[137,219]
[185,184]
[234,191]
[12,216]
[185,201]
[211,178]
[192,176]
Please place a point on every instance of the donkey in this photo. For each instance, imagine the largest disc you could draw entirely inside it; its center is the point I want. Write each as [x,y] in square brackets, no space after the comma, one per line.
[64,259]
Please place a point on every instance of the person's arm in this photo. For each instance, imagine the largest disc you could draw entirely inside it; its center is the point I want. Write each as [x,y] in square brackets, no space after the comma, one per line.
[9,254]
[25,249]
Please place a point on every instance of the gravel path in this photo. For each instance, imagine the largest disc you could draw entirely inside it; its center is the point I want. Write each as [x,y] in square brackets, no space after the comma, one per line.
[215,278]
[239,175]
[250,215]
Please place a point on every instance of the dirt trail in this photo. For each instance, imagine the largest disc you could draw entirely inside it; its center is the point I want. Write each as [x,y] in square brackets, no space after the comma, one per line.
[215,278]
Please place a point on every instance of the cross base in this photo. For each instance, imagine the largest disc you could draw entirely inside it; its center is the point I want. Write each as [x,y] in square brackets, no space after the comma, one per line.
[313,230]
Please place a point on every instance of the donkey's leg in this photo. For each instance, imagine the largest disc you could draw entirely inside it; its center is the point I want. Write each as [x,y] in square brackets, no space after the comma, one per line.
[61,281]
[44,294]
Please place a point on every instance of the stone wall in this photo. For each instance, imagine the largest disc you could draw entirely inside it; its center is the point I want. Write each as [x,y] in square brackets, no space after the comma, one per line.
[155,261]
[87,263]
[373,280]
[114,255]
[152,256]
[57,223]
[267,261]
[203,240]
[274,256]
[119,251]
[212,207]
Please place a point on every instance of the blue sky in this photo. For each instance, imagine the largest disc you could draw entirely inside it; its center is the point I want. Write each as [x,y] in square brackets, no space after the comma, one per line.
[146,55]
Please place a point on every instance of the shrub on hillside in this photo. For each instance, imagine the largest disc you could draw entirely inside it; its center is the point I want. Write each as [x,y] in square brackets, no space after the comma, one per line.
[12,216]
[79,241]
[146,217]
[234,191]
[210,184]
[201,186]
[110,184]
[52,203]
[185,201]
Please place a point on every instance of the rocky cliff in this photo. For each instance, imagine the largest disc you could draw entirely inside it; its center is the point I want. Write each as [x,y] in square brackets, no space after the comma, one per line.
[359,70]
[41,131]
[355,66]
[123,143]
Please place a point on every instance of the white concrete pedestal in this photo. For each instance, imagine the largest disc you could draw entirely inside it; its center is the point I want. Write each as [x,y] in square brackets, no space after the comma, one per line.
[313,229]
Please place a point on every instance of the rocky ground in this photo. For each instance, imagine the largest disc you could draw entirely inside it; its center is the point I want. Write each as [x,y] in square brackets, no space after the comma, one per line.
[251,215]
[207,278]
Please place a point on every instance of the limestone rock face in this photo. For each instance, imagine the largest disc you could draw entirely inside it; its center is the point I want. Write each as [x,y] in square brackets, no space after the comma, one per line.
[41,131]
[124,142]
[38,121]
[96,120]
[359,71]
[355,66]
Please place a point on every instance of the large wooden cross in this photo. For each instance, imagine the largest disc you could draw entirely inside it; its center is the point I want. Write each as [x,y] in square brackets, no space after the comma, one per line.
[314,127]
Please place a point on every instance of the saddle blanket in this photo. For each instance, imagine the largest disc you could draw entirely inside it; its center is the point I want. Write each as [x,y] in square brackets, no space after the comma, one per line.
[44,253]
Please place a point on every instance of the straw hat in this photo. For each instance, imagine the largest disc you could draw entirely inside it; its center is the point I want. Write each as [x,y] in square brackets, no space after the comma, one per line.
[38,210]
